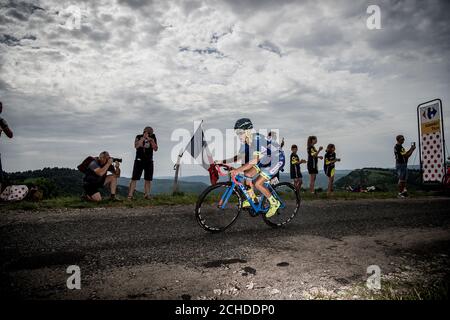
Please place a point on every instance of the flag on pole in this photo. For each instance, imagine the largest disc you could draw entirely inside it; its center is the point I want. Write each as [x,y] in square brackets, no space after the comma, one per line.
[198,149]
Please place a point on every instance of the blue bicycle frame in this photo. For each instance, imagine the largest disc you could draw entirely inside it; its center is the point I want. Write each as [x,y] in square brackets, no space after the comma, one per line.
[258,208]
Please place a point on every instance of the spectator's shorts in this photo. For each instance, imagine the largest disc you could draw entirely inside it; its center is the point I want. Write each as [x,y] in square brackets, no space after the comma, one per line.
[402,171]
[312,166]
[329,171]
[92,188]
[296,174]
[142,166]
[312,170]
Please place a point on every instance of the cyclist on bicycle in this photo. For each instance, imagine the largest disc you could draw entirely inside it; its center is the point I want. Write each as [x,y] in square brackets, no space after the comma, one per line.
[267,160]
[244,157]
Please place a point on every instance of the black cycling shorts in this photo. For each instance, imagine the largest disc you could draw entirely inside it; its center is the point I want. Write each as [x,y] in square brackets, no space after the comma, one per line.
[142,166]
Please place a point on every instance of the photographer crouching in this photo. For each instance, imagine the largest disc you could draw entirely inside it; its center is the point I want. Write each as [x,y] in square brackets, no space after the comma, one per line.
[96,176]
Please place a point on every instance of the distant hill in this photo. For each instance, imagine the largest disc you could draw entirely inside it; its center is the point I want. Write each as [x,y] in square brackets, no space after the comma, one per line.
[166,185]
[383,179]
[64,181]
[69,182]
[55,182]
[321,180]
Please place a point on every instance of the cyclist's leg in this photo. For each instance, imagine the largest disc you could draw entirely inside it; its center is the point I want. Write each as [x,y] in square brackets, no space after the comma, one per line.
[249,173]
[260,186]
[266,174]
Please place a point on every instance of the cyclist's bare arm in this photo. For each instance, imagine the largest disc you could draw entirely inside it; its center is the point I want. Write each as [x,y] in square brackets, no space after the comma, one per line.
[233,160]
[245,167]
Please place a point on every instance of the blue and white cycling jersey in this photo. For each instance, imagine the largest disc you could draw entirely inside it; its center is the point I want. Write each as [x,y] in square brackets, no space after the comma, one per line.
[271,158]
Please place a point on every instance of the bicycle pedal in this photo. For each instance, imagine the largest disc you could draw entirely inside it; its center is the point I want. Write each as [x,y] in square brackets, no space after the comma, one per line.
[252,213]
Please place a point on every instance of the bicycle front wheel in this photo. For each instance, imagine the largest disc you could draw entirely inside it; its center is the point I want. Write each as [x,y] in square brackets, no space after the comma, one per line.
[210,214]
[290,200]
[446,184]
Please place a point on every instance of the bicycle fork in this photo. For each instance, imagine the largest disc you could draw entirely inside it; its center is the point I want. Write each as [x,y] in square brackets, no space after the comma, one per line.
[225,197]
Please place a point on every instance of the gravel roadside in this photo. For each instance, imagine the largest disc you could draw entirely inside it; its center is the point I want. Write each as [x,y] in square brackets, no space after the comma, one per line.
[161,252]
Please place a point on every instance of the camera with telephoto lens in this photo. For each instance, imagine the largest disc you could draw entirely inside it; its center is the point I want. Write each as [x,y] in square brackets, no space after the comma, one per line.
[117,159]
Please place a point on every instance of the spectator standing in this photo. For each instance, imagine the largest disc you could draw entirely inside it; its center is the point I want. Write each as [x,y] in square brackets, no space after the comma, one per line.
[329,166]
[401,164]
[313,159]
[296,173]
[145,144]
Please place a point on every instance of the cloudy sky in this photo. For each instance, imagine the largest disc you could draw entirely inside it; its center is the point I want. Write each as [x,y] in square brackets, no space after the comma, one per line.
[303,67]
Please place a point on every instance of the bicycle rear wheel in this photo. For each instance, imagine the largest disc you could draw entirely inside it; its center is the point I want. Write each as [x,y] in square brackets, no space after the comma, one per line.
[210,215]
[290,199]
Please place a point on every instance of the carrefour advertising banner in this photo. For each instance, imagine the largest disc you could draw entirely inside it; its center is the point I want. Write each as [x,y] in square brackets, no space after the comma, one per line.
[431,140]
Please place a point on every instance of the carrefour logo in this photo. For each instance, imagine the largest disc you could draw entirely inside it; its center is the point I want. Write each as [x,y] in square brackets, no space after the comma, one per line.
[429,113]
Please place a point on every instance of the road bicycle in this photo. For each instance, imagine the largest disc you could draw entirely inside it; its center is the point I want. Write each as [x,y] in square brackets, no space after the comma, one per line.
[446,178]
[219,205]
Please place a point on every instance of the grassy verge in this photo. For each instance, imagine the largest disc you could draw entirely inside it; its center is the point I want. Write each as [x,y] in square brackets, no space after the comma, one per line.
[392,290]
[77,203]
[344,195]
[424,285]
[397,289]
[183,199]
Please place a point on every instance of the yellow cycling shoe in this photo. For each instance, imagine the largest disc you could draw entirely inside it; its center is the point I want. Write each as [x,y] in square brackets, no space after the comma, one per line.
[245,204]
[273,209]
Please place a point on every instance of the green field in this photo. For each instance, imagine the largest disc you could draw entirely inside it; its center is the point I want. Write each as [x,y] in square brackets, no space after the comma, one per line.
[62,189]
[185,199]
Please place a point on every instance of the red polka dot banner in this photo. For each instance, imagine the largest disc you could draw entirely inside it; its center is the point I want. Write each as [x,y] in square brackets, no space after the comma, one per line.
[431,136]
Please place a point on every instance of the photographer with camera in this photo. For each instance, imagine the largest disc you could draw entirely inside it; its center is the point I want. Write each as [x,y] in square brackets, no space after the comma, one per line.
[96,176]
[145,144]
[401,164]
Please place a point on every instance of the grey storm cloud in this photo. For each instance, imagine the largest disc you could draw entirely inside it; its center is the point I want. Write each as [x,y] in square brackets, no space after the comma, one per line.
[207,50]
[245,7]
[3,85]
[303,67]
[269,46]
[414,26]
[190,6]
[96,35]
[20,10]
[136,4]
[322,35]
[10,40]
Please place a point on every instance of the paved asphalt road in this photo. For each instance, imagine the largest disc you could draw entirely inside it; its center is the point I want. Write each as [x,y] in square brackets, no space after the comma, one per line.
[161,252]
